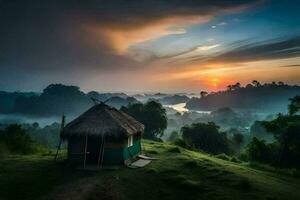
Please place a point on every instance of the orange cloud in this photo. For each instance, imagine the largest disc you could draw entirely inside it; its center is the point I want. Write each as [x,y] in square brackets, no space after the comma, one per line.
[120,39]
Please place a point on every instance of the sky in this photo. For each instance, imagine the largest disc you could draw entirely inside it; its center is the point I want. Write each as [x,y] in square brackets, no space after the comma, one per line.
[148,45]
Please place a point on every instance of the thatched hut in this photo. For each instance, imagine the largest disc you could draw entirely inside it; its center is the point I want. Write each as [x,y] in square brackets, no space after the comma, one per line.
[103,135]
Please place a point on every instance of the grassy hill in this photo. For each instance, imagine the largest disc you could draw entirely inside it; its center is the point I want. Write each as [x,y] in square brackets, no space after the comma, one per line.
[177,174]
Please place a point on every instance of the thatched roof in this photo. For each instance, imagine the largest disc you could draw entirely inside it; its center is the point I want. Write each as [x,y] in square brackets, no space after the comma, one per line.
[103,120]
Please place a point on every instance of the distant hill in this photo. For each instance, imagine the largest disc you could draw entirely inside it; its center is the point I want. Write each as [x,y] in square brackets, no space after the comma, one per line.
[57,99]
[118,102]
[106,96]
[7,99]
[265,98]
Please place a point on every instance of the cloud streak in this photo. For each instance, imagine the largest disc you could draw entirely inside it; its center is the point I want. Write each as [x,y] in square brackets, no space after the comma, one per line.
[239,52]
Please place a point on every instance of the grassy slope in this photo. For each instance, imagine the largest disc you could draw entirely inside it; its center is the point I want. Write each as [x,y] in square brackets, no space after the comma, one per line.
[177,174]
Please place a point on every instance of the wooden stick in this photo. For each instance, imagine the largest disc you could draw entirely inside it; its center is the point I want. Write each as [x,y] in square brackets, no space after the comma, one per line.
[102,155]
[100,151]
[58,148]
[85,150]
[62,125]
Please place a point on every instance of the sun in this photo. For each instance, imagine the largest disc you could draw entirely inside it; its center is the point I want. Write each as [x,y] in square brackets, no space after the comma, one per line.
[215,82]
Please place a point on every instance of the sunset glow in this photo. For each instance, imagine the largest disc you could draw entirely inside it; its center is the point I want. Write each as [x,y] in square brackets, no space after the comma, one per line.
[145,46]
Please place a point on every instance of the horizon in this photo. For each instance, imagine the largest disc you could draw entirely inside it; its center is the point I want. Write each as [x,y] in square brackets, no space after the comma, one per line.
[131,93]
[142,46]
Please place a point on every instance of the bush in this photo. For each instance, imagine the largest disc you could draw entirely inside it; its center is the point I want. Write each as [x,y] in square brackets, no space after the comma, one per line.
[258,151]
[17,140]
[206,137]
[173,136]
[243,156]
[182,143]
[3,149]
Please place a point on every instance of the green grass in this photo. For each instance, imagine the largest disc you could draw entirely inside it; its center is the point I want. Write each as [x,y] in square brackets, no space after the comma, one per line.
[177,174]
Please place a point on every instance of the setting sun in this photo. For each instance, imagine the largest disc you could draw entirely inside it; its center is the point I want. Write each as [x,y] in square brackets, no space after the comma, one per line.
[215,82]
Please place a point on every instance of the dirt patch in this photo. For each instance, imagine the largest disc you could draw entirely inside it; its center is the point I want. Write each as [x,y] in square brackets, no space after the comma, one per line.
[104,188]
[78,190]
[108,191]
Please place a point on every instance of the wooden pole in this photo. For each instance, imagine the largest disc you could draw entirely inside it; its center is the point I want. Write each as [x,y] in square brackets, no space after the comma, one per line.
[102,155]
[58,148]
[62,125]
[100,151]
[85,151]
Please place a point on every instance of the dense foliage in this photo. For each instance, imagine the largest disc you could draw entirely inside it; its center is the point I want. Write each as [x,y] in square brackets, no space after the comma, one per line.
[152,115]
[14,139]
[255,96]
[285,151]
[48,136]
[206,137]
[57,99]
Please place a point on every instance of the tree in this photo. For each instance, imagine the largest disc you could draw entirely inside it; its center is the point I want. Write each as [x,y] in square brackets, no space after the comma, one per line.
[238,139]
[173,136]
[258,130]
[286,129]
[152,115]
[258,151]
[256,83]
[249,86]
[18,140]
[206,137]
[229,87]
[236,86]
[203,94]
[294,106]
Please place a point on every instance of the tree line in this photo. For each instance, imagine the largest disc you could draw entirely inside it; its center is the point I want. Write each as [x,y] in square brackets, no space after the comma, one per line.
[271,97]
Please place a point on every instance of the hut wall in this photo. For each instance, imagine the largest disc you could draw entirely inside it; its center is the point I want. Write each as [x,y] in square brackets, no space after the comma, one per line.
[134,150]
[113,156]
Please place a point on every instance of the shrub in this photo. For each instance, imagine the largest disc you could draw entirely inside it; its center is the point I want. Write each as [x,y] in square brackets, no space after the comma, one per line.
[257,150]
[182,143]
[173,136]
[18,141]
[206,137]
[3,149]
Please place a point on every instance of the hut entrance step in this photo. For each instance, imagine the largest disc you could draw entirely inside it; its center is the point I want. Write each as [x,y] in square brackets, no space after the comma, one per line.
[139,163]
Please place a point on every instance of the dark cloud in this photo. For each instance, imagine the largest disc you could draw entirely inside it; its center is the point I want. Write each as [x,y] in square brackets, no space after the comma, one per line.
[41,38]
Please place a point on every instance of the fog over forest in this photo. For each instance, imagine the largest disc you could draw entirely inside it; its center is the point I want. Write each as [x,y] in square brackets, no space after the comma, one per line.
[236,108]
